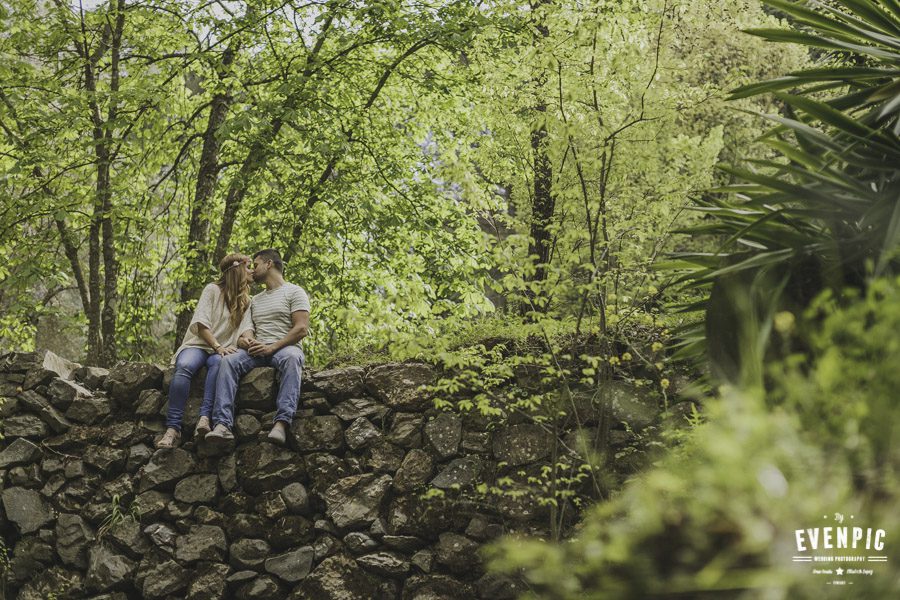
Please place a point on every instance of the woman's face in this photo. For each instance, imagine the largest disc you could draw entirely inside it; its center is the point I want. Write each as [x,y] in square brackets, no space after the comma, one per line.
[247,267]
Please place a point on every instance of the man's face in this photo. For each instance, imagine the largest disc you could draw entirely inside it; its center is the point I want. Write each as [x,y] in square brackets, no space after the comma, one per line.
[260,269]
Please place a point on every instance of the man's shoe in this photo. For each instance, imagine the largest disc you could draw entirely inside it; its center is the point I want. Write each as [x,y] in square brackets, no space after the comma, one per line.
[170,439]
[220,432]
[278,435]
[217,442]
[202,428]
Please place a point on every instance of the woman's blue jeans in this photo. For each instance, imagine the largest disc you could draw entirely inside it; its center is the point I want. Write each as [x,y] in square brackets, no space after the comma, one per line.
[187,363]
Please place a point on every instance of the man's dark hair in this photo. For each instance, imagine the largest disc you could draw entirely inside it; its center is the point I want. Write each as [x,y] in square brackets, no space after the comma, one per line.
[271,254]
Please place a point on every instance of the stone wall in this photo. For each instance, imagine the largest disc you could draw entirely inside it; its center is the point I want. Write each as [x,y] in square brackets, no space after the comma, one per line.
[89,509]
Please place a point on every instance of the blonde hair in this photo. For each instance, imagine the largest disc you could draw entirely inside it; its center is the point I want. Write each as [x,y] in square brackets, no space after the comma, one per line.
[234,285]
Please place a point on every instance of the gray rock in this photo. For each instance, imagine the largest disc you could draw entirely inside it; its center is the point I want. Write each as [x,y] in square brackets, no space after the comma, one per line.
[26,509]
[166,466]
[414,471]
[208,582]
[149,403]
[63,393]
[338,384]
[630,405]
[521,444]
[384,457]
[296,498]
[28,476]
[151,503]
[197,489]
[31,400]
[244,525]
[436,587]
[165,578]
[460,472]
[126,535]
[105,458]
[26,426]
[499,587]
[72,538]
[73,468]
[162,536]
[89,409]
[227,471]
[326,545]
[263,587]
[54,419]
[248,553]
[241,577]
[291,530]
[246,427]
[361,434]
[389,564]
[119,434]
[50,465]
[320,433]
[266,467]
[127,380]
[354,408]
[107,569]
[476,442]
[443,434]
[324,470]
[291,566]
[354,501]
[398,385]
[359,543]
[32,554]
[406,430]
[402,543]
[482,529]
[423,560]
[270,505]
[257,389]
[92,377]
[137,456]
[8,406]
[55,582]
[457,553]
[46,366]
[53,485]
[203,542]
[337,578]
[19,452]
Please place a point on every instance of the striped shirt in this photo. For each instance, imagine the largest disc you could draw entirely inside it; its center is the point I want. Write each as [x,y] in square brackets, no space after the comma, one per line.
[271,311]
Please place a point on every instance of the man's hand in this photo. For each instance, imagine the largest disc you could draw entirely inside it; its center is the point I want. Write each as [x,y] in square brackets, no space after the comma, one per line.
[257,348]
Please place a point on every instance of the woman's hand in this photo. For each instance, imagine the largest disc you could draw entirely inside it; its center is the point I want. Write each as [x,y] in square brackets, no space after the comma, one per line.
[225,350]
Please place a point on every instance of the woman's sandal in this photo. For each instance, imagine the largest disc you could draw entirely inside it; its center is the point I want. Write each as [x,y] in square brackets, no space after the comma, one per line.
[170,439]
[203,427]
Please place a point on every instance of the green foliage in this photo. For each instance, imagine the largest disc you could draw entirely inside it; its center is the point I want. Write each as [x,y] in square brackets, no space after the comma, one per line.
[718,513]
[118,514]
[822,211]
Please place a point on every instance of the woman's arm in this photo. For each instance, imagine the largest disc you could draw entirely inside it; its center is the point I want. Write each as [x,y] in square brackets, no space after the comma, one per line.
[207,336]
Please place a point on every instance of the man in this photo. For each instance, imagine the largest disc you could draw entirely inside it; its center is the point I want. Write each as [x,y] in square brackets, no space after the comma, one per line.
[280,316]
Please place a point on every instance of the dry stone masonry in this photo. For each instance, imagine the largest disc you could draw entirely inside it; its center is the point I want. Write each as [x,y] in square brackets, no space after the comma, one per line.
[91,510]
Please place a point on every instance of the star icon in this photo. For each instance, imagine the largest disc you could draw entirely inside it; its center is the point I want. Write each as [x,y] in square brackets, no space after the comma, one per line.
[839,571]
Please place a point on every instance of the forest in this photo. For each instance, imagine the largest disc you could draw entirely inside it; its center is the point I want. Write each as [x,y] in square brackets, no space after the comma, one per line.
[700,199]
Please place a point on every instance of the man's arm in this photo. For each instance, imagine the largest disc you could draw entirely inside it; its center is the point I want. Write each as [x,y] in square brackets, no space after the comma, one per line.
[299,330]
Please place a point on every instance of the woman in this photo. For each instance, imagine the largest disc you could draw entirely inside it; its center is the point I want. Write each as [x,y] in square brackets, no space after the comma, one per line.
[222,314]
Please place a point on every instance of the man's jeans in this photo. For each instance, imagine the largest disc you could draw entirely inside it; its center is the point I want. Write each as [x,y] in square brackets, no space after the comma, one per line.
[187,363]
[288,362]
